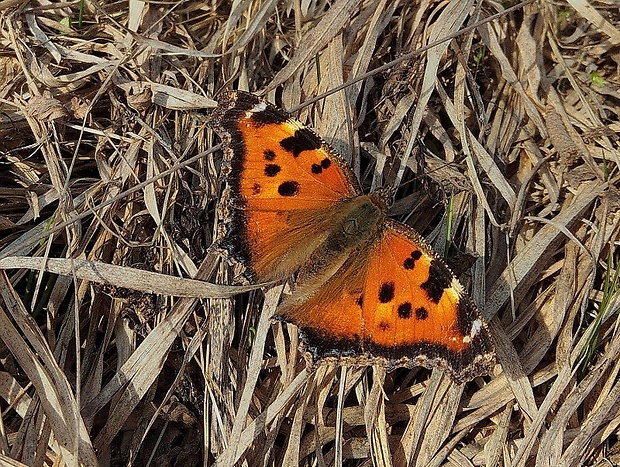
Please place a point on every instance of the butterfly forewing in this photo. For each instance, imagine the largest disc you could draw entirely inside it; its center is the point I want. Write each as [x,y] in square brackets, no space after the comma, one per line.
[282,180]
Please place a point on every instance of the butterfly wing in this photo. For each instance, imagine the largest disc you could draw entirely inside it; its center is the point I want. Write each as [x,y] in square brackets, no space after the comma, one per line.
[403,307]
[283,180]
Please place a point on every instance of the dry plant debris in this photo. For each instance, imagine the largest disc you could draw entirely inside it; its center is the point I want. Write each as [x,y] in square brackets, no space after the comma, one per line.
[503,141]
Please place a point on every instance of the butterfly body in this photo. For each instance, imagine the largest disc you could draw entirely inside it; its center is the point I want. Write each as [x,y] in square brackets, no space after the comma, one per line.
[351,227]
[367,289]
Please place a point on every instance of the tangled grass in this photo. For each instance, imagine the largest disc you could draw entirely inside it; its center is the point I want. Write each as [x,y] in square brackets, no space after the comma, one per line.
[502,139]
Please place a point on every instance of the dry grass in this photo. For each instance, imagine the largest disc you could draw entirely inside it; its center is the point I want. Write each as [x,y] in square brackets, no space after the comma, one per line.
[108,356]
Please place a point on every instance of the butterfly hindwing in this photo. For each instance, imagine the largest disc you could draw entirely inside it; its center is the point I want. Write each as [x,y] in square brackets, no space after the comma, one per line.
[402,307]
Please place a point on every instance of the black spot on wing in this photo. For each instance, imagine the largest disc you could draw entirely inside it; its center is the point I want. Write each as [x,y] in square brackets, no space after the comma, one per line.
[404,310]
[288,188]
[421,313]
[271,170]
[269,155]
[386,292]
[318,168]
[439,279]
[384,326]
[303,140]
[409,263]
[256,189]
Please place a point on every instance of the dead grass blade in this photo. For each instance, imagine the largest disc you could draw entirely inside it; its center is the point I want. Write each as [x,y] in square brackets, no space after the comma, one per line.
[329,25]
[131,278]
[450,20]
[53,390]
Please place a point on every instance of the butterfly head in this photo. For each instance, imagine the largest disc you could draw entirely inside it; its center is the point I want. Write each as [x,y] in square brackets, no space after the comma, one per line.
[386,195]
[350,225]
[362,219]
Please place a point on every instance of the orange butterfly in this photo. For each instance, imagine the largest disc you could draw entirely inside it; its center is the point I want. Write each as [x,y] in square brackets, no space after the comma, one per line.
[368,289]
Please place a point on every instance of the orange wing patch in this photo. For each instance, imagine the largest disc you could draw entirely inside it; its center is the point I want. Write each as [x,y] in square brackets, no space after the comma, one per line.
[369,290]
[410,296]
[414,305]
[287,166]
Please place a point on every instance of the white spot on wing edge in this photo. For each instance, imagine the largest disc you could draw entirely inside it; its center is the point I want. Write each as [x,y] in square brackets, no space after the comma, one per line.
[455,291]
[476,327]
[456,286]
[258,108]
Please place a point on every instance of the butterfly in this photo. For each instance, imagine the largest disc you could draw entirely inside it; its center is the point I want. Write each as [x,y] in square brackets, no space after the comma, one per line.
[367,289]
